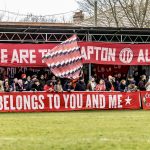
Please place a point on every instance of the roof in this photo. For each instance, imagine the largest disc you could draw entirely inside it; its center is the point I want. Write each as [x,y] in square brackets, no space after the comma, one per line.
[64,27]
[57,32]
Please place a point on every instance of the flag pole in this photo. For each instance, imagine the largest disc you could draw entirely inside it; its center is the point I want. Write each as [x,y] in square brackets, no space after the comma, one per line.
[89,65]
[89,37]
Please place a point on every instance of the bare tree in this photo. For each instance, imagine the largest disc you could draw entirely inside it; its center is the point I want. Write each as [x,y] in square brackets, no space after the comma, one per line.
[119,13]
[136,11]
[33,18]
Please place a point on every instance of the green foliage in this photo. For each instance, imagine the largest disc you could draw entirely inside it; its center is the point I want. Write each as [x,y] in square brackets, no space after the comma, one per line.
[82,130]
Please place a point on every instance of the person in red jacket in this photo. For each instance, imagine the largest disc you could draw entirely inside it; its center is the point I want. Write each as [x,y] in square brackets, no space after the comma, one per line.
[101,86]
[49,87]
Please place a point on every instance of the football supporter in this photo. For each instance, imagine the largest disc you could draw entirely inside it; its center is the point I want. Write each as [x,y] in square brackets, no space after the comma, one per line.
[101,86]
[132,87]
[36,86]
[42,80]
[147,85]
[110,83]
[1,86]
[58,86]
[7,87]
[117,82]
[91,85]
[141,84]
[122,86]
[49,87]
[80,85]
[68,86]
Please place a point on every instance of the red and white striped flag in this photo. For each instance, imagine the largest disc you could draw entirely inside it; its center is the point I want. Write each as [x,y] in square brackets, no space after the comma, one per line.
[65,60]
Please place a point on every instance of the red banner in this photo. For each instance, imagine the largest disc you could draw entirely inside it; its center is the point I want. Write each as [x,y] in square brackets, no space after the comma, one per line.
[145,97]
[119,54]
[93,52]
[42,101]
[27,55]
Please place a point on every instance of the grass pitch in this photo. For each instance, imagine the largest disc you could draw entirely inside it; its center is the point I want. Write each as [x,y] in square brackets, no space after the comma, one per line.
[82,130]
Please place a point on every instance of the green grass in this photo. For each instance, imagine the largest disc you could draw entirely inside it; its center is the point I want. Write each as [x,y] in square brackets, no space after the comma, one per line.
[82,130]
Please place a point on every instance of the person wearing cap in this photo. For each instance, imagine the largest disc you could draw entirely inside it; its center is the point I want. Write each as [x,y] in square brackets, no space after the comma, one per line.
[23,76]
[24,80]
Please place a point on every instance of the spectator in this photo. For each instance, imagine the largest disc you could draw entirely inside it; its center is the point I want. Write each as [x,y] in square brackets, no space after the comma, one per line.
[95,77]
[14,84]
[122,86]
[27,84]
[74,82]
[1,86]
[110,83]
[142,83]
[58,87]
[130,80]
[24,78]
[49,87]
[42,80]
[7,87]
[19,86]
[34,77]
[54,80]
[132,87]
[46,77]
[80,86]
[136,77]
[36,86]
[91,85]
[68,86]
[119,77]
[101,86]
[147,85]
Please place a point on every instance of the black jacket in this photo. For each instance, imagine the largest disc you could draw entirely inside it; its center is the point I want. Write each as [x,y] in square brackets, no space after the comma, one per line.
[67,87]
[80,86]
[36,87]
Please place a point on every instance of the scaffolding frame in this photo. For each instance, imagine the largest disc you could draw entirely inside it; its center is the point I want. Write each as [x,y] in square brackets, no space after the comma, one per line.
[56,33]
[29,37]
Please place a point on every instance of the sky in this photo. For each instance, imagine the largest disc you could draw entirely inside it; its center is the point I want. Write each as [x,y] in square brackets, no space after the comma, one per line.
[39,7]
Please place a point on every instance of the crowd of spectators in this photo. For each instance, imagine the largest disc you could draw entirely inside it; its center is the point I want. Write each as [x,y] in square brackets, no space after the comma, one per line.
[42,81]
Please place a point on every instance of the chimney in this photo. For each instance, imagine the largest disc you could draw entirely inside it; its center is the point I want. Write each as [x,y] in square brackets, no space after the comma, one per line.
[78,17]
